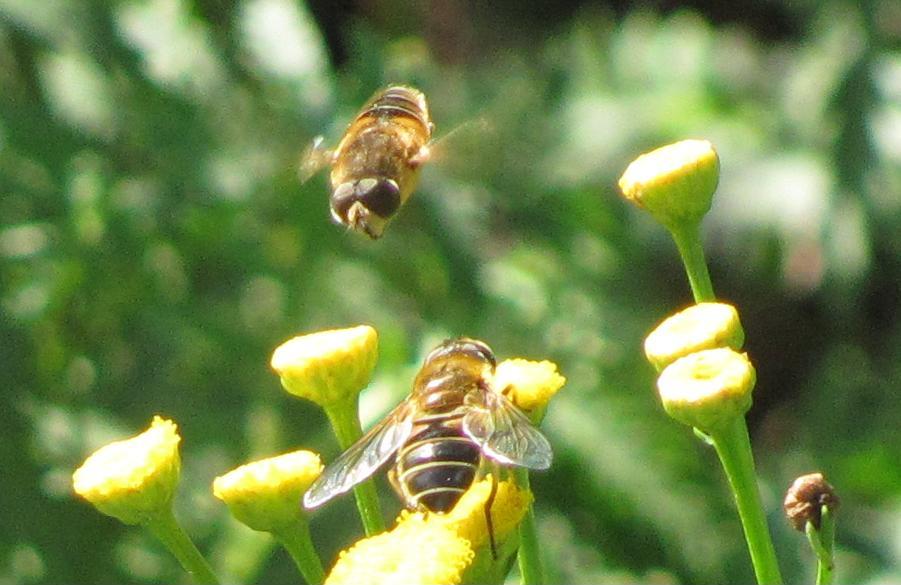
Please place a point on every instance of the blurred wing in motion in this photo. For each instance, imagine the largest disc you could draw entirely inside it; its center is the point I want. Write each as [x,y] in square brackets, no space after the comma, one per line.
[314,158]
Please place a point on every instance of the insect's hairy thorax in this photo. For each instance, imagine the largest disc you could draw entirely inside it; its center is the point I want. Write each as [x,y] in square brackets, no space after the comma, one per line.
[382,150]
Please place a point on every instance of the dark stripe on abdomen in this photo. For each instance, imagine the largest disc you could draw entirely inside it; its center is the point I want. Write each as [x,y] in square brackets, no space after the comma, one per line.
[437,465]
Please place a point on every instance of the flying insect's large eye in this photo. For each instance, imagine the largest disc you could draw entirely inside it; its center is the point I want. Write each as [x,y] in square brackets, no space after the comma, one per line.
[380,196]
[342,198]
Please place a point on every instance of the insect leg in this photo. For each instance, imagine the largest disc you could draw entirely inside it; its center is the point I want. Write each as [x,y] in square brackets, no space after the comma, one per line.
[495,469]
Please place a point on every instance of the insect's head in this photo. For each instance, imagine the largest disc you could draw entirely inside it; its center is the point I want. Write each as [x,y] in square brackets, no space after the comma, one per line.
[366,205]
[462,350]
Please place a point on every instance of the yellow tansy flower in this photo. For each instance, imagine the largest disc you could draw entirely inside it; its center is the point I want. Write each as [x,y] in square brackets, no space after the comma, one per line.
[427,548]
[529,385]
[675,183]
[416,552]
[701,326]
[265,495]
[135,479]
[327,367]
[708,388]
[507,510]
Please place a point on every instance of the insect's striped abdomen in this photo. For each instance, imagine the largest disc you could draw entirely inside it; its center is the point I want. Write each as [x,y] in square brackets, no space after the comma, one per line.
[398,101]
[438,462]
[436,466]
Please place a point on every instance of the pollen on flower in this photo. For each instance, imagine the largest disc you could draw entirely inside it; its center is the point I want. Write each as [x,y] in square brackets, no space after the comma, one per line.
[327,367]
[418,551]
[707,388]
[507,510]
[530,385]
[133,479]
[265,495]
[675,183]
[701,326]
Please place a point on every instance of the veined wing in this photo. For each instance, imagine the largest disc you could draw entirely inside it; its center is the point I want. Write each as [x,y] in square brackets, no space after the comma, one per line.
[363,458]
[503,432]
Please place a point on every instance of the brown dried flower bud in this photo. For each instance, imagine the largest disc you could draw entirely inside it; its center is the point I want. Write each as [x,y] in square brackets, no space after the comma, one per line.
[805,499]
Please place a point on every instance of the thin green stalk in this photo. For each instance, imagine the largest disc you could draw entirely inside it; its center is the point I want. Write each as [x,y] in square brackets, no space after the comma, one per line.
[734,449]
[166,528]
[530,569]
[688,241]
[296,540]
[821,541]
[346,424]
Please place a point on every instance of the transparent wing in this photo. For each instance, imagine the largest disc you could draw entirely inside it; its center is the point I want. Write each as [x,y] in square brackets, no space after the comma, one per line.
[471,136]
[363,458]
[314,158]
[504,433]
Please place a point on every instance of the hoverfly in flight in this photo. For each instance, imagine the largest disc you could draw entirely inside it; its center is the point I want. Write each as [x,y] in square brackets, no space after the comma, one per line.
[375,167]
[439,437]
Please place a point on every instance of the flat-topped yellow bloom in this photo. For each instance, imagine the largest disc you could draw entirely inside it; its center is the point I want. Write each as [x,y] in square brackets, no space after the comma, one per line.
[327,367]
[529,384]
[429,548]
[134,479]
[701,326]
[265,495]
[508,508]
[708,389]
[675,183]
[415,552]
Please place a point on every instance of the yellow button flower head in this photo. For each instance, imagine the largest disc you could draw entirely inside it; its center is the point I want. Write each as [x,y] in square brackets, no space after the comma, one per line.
[415,552]
[327,367]
[133,480]
[427,548]
[529,385]
[265,495]
[707,389]
[675,183]
[701,326]
[508,508]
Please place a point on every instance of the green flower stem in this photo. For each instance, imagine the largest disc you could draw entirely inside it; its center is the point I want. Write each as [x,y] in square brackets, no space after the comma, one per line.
[346,424]
[530,568]
[688,240]
[166,528]
[821,542]
[296,539]
[734,449]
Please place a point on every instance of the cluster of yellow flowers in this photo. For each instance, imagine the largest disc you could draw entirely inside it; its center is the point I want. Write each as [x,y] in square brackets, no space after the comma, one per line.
[704,381]
[134,480]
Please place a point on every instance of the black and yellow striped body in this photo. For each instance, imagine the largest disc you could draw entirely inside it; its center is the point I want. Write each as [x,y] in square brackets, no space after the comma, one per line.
[376,165]
[439,462]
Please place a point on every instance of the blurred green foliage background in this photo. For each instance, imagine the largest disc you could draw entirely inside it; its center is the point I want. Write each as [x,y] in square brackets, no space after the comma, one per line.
[156,245]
